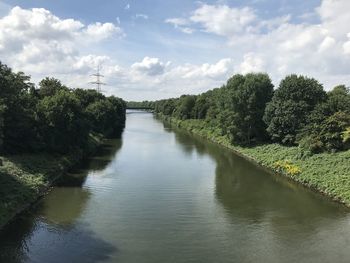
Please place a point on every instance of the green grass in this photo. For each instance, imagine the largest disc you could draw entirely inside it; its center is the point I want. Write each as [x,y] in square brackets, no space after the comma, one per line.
[328,173]
[24,177]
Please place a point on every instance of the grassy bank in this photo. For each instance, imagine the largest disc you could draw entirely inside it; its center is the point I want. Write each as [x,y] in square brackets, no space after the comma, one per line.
[327,173]
[26,177]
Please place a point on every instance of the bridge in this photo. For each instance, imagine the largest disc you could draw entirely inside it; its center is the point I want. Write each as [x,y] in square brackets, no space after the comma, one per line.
[139,108]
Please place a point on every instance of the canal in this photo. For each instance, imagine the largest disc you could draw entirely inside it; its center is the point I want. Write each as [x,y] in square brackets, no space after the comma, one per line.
[161,195]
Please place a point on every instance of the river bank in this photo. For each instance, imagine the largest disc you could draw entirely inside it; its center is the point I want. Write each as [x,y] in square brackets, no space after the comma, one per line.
[326,173]
[24,178]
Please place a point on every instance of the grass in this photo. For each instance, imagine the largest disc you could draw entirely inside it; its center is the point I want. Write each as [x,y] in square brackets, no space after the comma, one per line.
[25,177]
[327,173]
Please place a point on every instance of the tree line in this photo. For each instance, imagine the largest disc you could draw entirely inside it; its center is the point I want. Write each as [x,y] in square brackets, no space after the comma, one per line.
[249,111]
[53,117]
[140,104]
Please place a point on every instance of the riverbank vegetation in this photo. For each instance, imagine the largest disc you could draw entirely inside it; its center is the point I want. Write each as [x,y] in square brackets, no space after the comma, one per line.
[140,104]
[298,129]
[44,130]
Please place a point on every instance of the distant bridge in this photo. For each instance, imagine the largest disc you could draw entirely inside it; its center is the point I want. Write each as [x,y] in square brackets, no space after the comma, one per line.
[139,108]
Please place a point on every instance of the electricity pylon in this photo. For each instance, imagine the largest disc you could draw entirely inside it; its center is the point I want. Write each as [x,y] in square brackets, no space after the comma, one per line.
[98,81]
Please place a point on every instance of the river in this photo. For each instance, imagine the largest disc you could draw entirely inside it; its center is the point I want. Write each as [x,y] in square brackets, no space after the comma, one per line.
[161,195]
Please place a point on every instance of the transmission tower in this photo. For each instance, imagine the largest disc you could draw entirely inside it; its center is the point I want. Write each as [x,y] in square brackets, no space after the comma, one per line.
[98,81]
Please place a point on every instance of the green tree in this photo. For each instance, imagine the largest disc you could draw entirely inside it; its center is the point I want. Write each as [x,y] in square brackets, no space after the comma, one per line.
[339,99]
[293,101]
[18,115]
[201,107]
[250,95]
[50,86]
[62,122]
[184,109]
[2,110]
[329,135]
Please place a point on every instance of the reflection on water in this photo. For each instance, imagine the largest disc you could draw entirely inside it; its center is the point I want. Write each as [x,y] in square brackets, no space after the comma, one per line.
[53,220]
[165,196]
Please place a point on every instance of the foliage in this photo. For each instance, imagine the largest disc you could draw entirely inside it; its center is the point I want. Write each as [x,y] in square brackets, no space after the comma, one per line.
[293,101]
[45,131]
[324,172]
[339,99]
[248,102]
[140,104]
[63,124]
[50,86]
[17,110]
[346,138]
[327,123]
[286,167]
[184,107]
[106,116]
[236,108]
[327,135]
[52,118]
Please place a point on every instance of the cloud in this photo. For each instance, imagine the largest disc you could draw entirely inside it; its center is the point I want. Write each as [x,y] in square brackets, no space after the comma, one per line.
[251,63]
[127,7]
[144,16]
[180,24]
[149,66]
[38,42]
[206,70]
[346,46]
[152,78]
[278,45]
[99,31]
[223,20]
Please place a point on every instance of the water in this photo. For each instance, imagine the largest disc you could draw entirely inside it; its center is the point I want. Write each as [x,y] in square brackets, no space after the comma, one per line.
[161,195]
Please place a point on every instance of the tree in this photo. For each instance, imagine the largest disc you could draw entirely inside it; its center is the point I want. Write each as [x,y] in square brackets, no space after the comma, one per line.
[339,99]
[293,101]
[2,110]
[50,86]
[17,112]
[88,96]
[106,116]
[329,135]
[185,107]
[201,107]
[63,125]
[250,95]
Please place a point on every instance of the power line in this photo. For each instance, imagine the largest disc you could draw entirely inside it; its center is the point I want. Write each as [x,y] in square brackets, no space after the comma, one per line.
[98,81]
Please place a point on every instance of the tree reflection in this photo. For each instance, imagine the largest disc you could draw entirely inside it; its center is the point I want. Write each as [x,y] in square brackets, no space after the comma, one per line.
[53,220]
[251,195]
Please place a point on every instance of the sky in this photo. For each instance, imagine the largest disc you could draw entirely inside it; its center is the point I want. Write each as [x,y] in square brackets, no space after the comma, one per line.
[153,49]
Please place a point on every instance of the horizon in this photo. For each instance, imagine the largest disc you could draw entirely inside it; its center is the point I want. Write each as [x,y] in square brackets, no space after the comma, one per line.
[153,50]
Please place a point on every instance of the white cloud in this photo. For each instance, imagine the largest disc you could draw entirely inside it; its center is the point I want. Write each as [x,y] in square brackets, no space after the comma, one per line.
[127,7]
[156,79]
[223,20]
[99,31]
[144,16]
[251,63]
[40,43]
[280,46]
[206,70]
[181,24]
[177,21]
[149,66]
[346,46]
[326,44]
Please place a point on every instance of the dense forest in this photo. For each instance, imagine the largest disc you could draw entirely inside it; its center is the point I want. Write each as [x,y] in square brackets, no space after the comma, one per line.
[249,111]
[52,117]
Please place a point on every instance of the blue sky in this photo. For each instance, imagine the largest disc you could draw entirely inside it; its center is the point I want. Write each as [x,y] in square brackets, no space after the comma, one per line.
[153,49]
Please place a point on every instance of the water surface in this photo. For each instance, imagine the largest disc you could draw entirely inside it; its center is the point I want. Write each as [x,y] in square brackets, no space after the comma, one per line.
[161,195]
